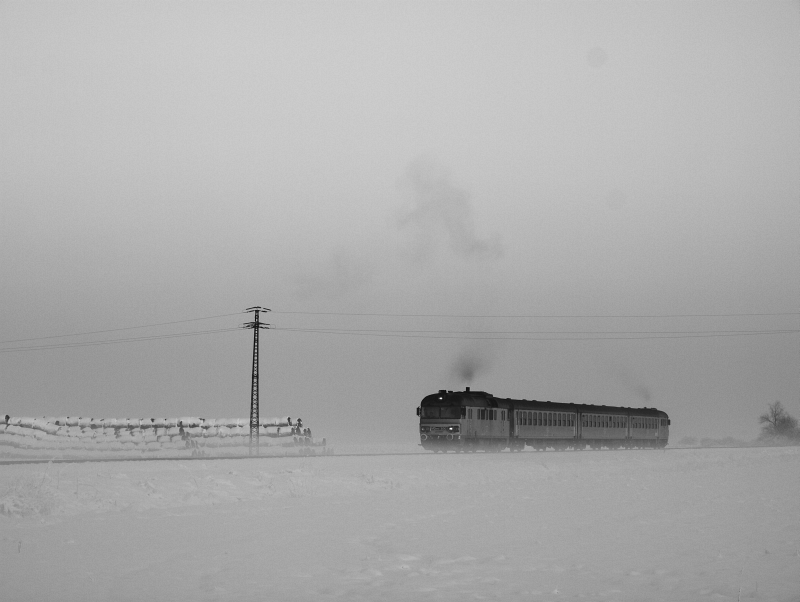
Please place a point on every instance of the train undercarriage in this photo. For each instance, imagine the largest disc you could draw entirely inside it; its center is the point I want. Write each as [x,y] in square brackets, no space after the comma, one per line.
[446,443]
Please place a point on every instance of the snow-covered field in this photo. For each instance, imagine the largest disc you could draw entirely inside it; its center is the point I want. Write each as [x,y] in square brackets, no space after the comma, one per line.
[680,524]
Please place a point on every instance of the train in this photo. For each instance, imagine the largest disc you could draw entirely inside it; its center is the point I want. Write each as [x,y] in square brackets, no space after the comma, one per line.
[469,421]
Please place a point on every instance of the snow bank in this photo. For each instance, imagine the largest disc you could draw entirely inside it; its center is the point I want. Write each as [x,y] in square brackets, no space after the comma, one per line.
[24,436]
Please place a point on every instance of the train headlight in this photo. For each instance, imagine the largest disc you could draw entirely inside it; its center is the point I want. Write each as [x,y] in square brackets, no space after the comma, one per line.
[424,429]
[453,429]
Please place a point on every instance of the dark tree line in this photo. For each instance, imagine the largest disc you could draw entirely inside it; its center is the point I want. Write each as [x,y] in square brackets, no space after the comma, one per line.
[778,424]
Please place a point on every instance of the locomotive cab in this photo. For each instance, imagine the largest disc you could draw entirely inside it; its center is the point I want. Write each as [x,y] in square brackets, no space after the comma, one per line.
[440,420]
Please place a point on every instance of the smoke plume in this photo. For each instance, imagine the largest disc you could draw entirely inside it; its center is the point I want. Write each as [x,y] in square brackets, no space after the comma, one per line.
[468,364]
[440,206]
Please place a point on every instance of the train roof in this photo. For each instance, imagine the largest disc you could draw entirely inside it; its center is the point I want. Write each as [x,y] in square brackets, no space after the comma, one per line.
[487,400]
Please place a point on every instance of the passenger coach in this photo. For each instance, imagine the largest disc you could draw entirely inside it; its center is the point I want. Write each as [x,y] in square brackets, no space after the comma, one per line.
[475,420]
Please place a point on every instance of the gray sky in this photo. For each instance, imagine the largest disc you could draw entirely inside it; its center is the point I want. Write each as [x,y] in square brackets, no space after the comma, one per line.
[165,161]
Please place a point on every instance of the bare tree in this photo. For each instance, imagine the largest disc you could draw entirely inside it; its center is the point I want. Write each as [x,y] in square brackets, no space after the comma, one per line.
[778,423]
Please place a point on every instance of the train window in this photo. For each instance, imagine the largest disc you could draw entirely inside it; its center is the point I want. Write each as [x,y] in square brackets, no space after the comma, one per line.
[450,412]
[463,412]
[549,418]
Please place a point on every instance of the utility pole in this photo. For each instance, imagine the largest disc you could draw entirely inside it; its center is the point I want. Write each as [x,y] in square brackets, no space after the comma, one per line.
[256,326]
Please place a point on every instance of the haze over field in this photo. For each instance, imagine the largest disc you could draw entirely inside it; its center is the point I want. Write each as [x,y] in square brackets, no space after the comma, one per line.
[170,161]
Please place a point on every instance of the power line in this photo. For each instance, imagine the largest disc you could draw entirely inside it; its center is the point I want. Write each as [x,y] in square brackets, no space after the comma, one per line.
[564,335]
[400,315]
[517,338]
[112,341]
[513,332]
[80,334]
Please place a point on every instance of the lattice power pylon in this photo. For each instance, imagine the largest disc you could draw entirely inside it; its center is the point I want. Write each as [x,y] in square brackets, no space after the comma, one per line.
[256,326]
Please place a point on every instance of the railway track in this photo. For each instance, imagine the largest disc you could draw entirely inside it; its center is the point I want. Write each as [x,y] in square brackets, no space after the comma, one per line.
[25,461]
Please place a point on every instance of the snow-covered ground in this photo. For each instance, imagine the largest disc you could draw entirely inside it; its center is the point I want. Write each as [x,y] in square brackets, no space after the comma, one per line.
[680,524]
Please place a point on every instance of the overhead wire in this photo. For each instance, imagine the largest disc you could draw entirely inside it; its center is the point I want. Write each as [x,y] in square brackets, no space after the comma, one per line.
[605,336]
[520,335]
[112,341]
[80,334]
[401,315]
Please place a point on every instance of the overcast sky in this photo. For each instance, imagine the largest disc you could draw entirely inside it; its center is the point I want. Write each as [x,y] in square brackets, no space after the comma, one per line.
[165,161]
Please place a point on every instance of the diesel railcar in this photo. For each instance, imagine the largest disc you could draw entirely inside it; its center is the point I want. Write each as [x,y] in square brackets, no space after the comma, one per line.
[476,420]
